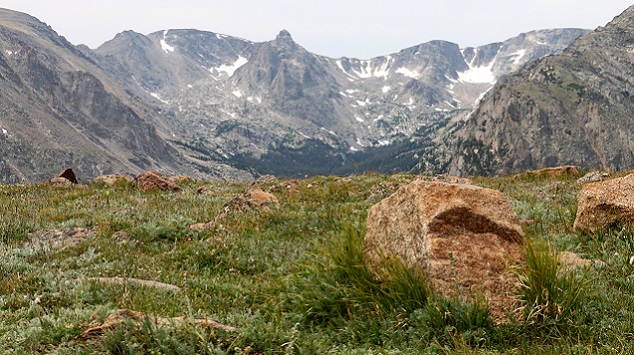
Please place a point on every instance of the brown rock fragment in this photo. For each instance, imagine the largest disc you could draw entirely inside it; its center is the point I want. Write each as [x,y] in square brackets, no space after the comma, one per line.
[150,180]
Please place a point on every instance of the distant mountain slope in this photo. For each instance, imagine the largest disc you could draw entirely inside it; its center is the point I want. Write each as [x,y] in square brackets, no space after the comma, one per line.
[58,108]
[573,108]
[228,99]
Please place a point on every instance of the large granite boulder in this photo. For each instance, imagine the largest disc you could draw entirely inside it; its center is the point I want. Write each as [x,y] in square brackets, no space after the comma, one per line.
[462,237]
[606,204]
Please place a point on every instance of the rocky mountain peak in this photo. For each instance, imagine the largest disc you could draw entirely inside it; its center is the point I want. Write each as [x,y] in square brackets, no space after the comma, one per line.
[624,21]
[285,36]
[284,41]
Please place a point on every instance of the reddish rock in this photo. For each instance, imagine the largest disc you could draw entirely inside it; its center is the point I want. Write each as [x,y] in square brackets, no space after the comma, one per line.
[602,205]
[150,180]
[462,237]
[69,175]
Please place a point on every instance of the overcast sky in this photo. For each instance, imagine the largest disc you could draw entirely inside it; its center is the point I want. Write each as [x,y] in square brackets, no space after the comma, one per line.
[352,28]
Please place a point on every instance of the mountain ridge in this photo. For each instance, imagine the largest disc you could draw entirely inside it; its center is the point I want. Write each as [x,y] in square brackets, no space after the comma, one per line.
[276,95]
[573,108]
[211,105]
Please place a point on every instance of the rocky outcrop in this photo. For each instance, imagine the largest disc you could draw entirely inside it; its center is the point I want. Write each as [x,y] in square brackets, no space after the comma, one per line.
[574,108]
[461,236]
[604,205]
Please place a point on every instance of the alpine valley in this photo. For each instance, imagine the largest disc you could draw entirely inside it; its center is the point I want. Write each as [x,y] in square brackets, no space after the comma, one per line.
[215,106]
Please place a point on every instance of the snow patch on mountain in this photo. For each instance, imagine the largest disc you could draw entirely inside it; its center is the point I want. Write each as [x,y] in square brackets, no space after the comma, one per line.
[409,73]
[367,71]
[518,56]
[156,96]
[231,69]
[166,47]
[476,75]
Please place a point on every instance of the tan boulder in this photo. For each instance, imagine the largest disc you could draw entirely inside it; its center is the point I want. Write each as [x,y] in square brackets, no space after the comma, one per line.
[112,179]
[177,179]
[150,180]
[251,200]
[60,181]
[602,205]
[462,237]
[206,192]
[554,172]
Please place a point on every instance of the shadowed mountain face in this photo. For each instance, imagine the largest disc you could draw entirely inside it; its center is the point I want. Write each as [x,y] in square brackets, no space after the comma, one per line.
[59,109]
[573,108]
[216,106]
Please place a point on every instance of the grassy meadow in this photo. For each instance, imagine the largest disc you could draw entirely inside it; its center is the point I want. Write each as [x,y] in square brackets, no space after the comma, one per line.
[291,279]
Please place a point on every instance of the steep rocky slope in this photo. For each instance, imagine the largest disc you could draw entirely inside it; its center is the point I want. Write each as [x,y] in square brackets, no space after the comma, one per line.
[573,108]
[57,109]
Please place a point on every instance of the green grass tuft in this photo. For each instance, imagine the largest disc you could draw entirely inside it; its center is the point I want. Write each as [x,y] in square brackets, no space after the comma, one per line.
[548,291]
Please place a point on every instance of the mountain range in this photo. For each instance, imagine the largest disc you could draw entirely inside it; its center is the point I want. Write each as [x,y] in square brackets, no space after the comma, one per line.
[216,106]
[274,107]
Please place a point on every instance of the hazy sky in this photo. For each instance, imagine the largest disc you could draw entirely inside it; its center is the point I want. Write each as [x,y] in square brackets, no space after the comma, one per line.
[352,28]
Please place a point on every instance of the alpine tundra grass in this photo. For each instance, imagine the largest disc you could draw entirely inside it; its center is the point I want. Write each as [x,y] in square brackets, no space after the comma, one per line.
[290,279]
